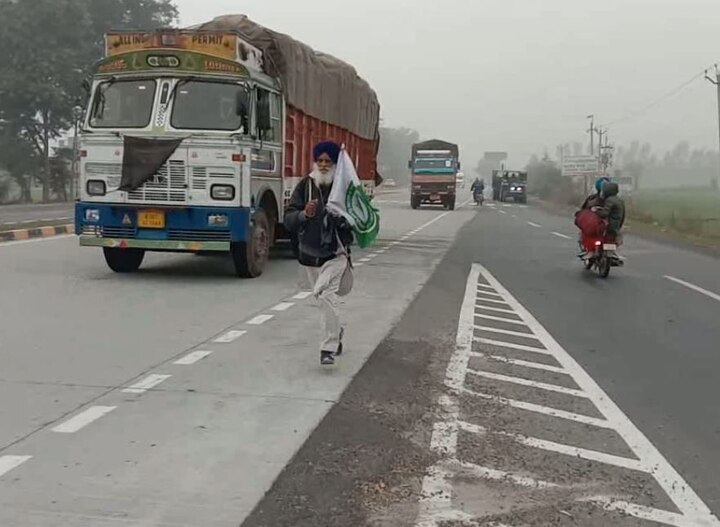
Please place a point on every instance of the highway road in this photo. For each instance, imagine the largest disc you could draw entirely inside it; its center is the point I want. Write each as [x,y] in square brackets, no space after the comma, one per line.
[34,215]
[488,380]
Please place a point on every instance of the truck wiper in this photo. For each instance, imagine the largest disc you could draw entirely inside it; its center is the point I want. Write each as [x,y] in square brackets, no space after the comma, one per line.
[181,82]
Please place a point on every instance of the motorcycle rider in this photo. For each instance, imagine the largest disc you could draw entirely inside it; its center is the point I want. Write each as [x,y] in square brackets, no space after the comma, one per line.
[478,189]
[607,204]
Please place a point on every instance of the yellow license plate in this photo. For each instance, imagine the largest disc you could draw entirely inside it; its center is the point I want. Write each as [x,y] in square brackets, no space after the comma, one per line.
[151,219]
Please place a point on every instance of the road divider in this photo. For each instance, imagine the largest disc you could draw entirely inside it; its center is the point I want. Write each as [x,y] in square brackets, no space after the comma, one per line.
[39,232]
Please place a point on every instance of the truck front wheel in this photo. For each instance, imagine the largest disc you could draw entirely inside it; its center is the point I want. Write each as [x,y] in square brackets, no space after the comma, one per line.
[123,260]
[451,203]
[251,256]
[414,202]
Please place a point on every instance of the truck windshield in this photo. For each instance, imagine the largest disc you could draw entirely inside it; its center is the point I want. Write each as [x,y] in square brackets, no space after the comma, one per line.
[123,104]
[207,105]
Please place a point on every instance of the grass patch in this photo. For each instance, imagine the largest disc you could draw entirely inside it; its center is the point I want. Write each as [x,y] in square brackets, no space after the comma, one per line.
[695,212]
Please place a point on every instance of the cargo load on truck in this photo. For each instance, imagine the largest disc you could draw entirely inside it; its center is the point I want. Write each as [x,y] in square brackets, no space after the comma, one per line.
[434,166]
[316,83]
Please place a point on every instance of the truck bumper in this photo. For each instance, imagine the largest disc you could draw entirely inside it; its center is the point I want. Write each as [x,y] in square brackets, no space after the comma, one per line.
[186,229]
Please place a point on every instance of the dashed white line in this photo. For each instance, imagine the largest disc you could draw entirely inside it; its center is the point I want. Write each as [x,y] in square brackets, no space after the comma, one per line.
[694,287]
[502,212]
[536,225]
[8,463]
[303,295]
[192,358]
[81,420]
[148,383]
[283,306]
[230,336]
[360,264]
[372,256]
[365,260]
[561,235]
[259,320]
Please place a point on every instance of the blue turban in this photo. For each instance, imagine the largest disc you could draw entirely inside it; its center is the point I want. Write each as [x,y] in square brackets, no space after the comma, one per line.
[327,147]
[600,183]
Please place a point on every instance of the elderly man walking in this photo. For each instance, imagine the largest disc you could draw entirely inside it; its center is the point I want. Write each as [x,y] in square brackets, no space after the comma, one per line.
[324,240]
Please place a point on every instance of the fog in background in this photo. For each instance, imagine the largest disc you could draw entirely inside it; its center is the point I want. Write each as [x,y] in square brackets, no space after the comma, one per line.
[515,75]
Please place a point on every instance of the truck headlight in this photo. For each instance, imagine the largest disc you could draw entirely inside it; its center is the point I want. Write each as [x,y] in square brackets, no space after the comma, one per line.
[92,215]
[95,187]
[222,192]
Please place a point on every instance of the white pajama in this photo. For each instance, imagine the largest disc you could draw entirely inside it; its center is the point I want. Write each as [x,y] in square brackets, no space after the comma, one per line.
[325,282]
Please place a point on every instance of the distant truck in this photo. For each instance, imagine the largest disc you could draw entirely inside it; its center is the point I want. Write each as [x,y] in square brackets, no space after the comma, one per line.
[194,139]
[509,184]
[434,166]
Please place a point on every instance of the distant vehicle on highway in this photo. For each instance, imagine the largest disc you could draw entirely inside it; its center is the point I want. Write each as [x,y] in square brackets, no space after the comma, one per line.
[509,184]
[433,168]
[460,180]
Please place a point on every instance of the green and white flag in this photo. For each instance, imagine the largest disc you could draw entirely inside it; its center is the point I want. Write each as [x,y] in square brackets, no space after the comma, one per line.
[348,199]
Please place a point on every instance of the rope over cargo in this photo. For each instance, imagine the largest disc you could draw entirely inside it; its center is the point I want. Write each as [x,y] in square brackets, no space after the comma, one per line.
[316,83]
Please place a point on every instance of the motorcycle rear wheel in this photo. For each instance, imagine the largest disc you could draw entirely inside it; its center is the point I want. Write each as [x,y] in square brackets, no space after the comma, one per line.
[604,267]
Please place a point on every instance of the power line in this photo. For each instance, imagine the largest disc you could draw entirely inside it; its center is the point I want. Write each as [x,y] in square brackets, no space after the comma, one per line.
[671,93]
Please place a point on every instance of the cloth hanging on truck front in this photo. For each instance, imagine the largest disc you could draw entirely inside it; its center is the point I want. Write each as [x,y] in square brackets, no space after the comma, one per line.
[143,158]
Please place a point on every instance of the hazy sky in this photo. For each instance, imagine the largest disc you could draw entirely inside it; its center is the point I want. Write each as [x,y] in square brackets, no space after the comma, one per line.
[515,75]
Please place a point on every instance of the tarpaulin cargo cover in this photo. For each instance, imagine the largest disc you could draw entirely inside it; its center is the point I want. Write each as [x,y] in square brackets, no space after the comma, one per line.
[316,83]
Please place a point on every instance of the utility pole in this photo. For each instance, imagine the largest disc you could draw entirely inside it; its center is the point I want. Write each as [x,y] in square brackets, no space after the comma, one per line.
[592,134]
[716,82]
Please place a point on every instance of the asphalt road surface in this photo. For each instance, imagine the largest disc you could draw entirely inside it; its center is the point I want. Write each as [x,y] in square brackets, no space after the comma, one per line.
[488,380]
[27,216]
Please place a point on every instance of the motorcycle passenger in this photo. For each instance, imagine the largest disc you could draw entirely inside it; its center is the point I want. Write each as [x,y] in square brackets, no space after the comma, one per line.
[607,204]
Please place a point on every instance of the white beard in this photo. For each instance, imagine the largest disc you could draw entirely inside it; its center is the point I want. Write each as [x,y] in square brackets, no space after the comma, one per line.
[323,180]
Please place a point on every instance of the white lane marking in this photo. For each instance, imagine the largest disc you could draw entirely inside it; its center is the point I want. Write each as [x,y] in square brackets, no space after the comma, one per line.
[372,256]
[501,475]
[507,205]
[519,347]
[536,225]
[488,293]
[148,383]
[365,260]
[303,295]
[560,448]
[544,410]
[491,301]
[526,382]
[500,319]
[640,511]
[83,419]
[485,286]
[230,336]
[561,235]
[8,463]
[192,358]
[694,287]
[506,332]
[37,240]
[259,320]
[518,362]
[682,495]
[502,212]
[358,264]
[495,309]
[283,306]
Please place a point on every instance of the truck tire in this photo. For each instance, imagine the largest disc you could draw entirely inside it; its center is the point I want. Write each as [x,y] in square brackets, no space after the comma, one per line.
[451,203]
[250,257]
[414,202]
[123,260]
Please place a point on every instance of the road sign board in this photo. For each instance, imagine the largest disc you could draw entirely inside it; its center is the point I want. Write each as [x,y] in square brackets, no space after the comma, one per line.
[580,166]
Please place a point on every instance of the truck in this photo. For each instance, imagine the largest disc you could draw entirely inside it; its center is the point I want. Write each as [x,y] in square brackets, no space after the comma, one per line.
[194,139]
[433,168]
[509,184]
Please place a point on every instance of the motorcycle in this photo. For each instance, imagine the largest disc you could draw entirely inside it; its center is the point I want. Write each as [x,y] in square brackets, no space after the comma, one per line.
[599,248]
[479,197]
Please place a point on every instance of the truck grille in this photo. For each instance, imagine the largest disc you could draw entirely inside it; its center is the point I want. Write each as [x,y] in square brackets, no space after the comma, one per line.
[109,232]
[168,185]
[199,236]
